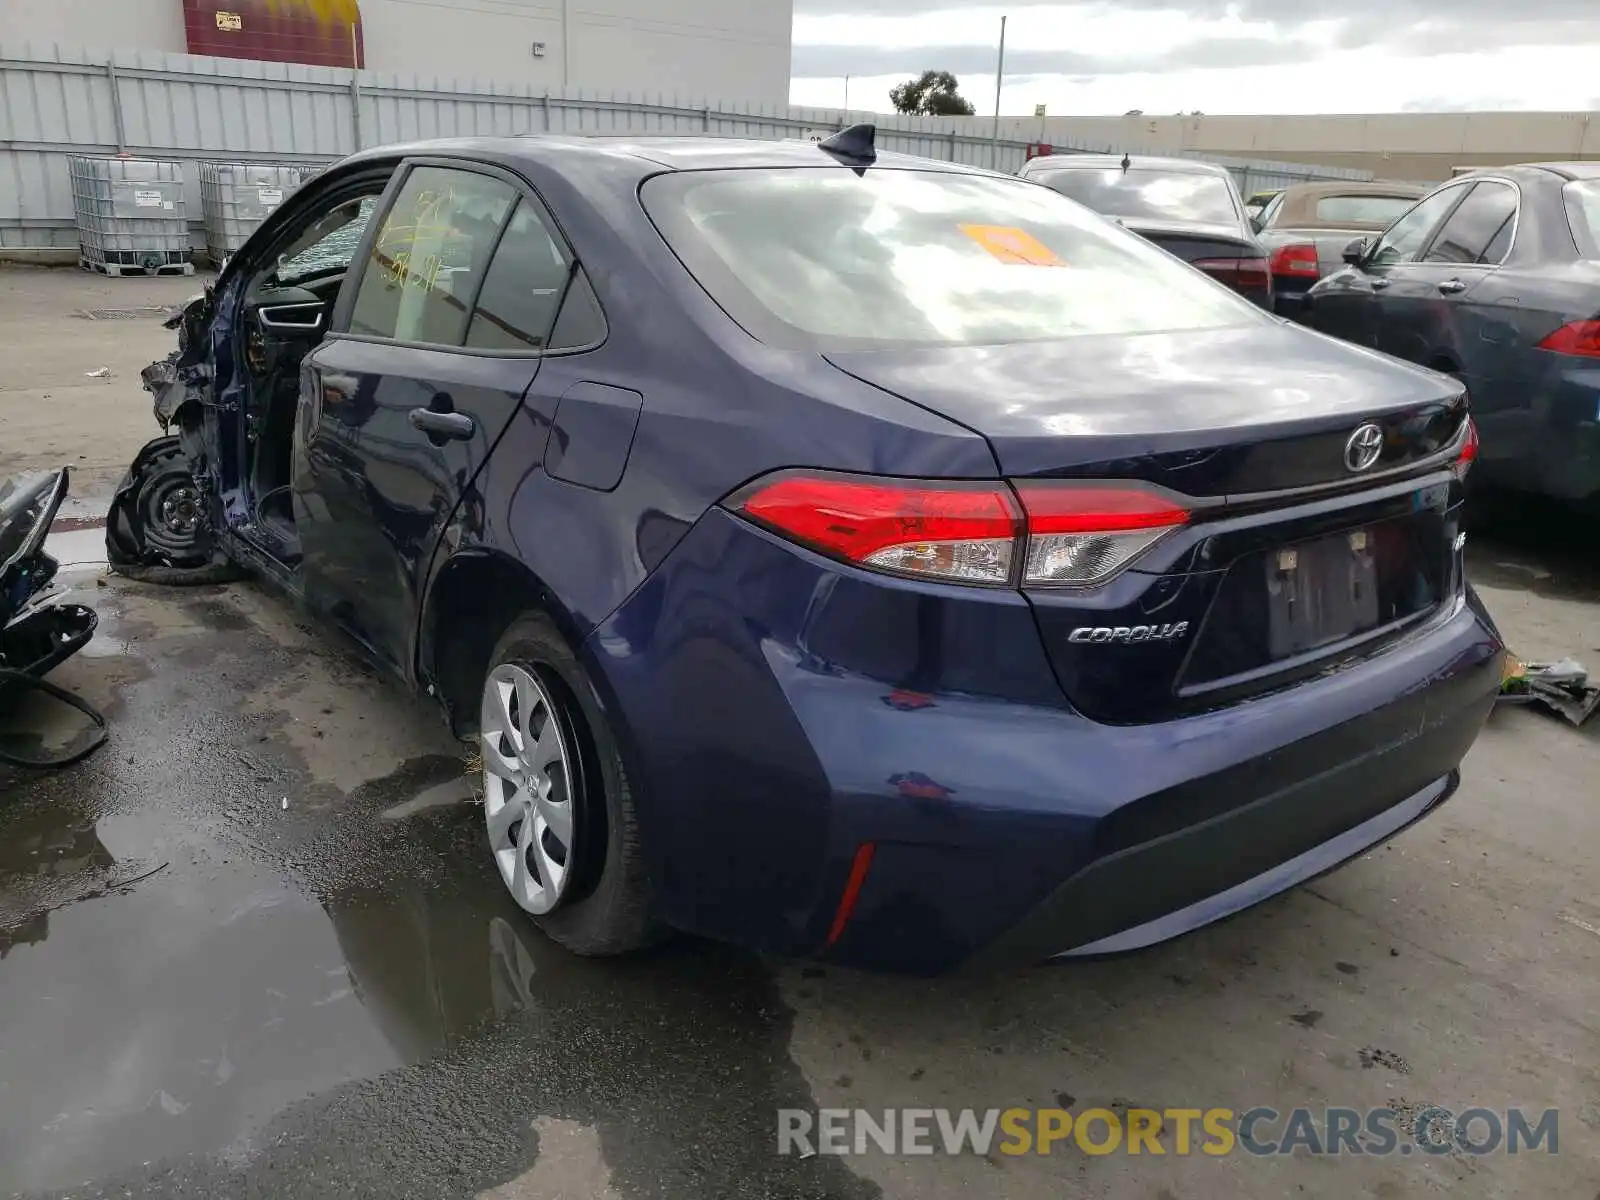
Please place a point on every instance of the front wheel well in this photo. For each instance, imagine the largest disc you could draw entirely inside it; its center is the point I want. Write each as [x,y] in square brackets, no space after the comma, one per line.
[473,601]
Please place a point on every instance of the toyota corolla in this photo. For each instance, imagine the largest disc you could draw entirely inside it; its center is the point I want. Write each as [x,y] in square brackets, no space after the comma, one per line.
[837,553]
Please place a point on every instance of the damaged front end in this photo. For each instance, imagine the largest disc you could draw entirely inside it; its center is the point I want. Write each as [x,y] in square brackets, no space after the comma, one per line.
[35,636]
[184,376]
[160,525]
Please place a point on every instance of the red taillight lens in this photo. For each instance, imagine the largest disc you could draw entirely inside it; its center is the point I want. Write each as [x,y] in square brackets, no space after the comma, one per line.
[1079,536]
[1469,450]
[1241,274]
[962,532]
[1579,337]
[1298,259]
[1067,535]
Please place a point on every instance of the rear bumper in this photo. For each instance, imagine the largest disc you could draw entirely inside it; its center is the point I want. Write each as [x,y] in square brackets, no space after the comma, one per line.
[1305,866]
[1289,295]
[1551,443]
[782,711]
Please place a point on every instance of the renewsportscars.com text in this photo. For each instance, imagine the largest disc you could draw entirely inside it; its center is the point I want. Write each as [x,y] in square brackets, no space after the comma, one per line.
[1179,1131]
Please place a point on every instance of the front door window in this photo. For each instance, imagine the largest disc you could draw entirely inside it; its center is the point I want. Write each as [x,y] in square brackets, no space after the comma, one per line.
[1405,239]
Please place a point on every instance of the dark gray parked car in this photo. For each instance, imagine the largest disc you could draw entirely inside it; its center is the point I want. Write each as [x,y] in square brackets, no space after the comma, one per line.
[1187,207]
[1494,277]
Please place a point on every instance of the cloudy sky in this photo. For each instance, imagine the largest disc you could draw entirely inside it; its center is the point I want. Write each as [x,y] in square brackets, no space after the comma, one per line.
[1217,56]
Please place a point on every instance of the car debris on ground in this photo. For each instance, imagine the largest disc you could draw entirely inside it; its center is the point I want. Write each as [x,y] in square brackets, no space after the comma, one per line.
[37,633]
[1563,687]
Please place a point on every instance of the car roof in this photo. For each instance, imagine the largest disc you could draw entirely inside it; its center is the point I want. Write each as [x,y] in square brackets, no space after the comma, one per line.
[1567,170]
[657,152]
[1143,162]
[1318,188]
[1530,172]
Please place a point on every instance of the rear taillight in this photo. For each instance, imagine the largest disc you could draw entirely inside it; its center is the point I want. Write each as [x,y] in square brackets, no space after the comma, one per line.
[1579,337]
[1241,274]
[956,531]
[1469,450]
[1065,535]
[1084,535]
[1298,259]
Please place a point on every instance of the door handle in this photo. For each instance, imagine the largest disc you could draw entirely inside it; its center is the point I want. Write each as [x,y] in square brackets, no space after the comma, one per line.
[1452,287]
[298,317]
[443,424]
[1379,283]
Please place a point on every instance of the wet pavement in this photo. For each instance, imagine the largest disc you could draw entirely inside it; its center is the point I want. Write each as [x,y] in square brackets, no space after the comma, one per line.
[253,947]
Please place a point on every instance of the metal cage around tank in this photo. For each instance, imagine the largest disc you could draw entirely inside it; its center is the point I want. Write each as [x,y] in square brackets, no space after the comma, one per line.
[236,197]
[130,215]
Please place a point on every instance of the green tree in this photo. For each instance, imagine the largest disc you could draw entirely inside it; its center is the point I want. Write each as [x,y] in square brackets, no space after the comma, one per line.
[931,94]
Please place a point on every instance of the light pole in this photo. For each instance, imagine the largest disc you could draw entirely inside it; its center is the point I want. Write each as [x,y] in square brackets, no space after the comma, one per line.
[999,77]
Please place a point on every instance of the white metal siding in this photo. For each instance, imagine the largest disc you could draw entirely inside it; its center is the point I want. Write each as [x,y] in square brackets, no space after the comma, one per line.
[728,50]
[176,106]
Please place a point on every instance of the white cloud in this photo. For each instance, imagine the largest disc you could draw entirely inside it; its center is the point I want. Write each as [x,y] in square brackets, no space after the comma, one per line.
[1100,60]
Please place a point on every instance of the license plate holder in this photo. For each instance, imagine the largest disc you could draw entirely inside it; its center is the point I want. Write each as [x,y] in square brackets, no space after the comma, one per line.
[1321,591]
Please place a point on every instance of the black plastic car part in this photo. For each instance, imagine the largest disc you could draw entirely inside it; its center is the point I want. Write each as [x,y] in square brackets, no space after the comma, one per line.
[36,637]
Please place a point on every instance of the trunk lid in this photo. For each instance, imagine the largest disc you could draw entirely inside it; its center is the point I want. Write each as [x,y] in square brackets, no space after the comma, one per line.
[1194,241]
[1290,561]
[1250,408]
[1227,253]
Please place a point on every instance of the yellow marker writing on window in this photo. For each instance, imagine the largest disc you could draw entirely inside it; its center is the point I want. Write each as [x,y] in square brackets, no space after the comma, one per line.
[1012,245]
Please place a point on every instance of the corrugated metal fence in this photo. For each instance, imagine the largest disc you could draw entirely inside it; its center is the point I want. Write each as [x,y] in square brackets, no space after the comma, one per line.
[56,101]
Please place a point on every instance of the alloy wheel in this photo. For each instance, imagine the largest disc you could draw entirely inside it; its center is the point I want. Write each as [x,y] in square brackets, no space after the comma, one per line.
[527,788]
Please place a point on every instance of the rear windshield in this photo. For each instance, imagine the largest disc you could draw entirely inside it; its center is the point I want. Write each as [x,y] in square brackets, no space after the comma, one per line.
[1377,211]
[1144,192]
[1583,214]
[816,257]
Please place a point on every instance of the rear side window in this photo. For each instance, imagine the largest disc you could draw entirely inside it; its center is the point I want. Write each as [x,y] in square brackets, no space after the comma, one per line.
[430,255]
[1375,211]
[1154,195]
[1482,222]
[523,288]
[816,257]
[1582,198]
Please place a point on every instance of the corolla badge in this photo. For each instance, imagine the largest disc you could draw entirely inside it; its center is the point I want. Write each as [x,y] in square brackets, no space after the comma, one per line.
[1129,633]
[1363,447]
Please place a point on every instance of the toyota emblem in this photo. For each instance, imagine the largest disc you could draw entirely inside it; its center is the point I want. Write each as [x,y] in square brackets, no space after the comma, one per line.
[1363,448]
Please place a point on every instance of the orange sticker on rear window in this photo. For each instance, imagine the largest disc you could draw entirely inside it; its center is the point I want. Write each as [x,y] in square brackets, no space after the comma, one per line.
[1012,245]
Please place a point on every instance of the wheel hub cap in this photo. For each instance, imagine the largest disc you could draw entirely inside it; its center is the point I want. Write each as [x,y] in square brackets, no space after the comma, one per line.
[527,801]
[180,510]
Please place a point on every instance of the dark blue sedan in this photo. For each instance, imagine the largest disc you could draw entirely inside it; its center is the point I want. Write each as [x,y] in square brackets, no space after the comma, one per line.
[840,554]
[1494,277]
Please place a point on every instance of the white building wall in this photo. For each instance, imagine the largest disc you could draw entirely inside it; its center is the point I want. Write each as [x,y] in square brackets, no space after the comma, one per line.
[135,24]
[720,50]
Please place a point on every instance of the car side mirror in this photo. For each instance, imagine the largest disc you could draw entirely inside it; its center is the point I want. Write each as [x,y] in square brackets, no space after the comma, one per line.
[1355,252]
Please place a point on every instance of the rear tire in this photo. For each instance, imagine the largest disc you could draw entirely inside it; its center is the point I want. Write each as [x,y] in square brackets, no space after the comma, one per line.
[603,903]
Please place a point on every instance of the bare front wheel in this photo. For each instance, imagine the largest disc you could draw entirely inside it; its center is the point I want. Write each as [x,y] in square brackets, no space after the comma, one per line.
[158,529]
